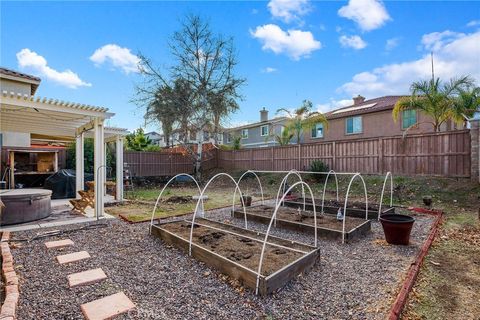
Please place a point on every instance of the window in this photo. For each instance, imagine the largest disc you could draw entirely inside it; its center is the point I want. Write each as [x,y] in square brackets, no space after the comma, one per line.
[354,125]
[244,133]
[229,138]
[409,118]
[317,131]
[264,130]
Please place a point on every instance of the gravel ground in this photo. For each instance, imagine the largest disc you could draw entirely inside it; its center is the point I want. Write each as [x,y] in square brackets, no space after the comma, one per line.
[358,280]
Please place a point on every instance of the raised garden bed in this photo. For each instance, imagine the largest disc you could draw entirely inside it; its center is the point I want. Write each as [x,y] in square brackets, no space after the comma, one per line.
[236,252]
[289,218]
[354,208]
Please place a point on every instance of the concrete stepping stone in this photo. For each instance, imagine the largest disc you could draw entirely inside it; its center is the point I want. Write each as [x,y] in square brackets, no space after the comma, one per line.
[58,244]
[108,307]
[86,277]
[72,257]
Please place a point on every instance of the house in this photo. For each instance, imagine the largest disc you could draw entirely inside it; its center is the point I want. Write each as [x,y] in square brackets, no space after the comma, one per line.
[370,119]
[194,136]
[155,137]
[259,134]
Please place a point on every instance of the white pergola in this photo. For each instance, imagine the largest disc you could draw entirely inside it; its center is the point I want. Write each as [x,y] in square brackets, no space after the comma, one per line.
[31,114]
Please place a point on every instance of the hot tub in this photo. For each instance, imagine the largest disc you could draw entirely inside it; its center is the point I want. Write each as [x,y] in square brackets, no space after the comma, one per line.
[24,205]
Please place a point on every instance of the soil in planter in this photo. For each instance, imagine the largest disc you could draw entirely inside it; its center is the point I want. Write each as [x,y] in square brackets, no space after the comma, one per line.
[306,217]
[179,199]
[241,250]
[339,204]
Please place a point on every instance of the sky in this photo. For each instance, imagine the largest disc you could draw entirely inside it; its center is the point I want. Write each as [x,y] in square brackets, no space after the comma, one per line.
[288,50]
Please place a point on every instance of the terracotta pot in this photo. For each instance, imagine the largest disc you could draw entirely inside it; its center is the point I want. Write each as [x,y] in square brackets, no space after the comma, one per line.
[397,228]
[247,200]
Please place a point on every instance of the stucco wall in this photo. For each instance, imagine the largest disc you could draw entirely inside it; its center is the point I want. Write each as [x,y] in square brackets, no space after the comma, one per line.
[377,124]
[14,86]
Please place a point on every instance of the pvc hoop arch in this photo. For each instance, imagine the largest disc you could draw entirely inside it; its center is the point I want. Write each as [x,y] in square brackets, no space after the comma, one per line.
[389,174]
[284,182]
[240,179]
[277,206]
[198,203]
[165,187]
[346,200]
[325,186]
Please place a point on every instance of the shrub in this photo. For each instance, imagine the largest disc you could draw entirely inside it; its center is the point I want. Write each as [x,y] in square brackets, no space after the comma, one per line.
[319,166]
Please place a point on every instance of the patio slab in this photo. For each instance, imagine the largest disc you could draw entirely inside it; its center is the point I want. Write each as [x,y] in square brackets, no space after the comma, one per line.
[108,307]
[58,244]
[86,277]
[72,257]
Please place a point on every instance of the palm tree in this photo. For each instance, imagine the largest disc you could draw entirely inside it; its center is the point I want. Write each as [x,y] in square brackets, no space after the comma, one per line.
[303,118]
[440,101]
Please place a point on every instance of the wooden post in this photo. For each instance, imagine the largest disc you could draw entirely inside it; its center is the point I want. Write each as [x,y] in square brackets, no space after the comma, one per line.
[334,157]
[380,155]
[12,170]
[299,157]
[251,159]
[234,160]
[273,158]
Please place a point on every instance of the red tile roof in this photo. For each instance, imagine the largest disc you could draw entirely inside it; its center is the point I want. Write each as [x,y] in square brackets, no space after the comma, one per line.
[371,105]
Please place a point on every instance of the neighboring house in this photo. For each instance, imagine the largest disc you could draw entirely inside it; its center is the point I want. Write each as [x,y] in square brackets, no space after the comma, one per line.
[156,138]
[194,137]
[370,119]
[259,134]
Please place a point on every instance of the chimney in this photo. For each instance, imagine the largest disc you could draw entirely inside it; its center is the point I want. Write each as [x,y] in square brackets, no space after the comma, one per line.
[358,100]
[263,115]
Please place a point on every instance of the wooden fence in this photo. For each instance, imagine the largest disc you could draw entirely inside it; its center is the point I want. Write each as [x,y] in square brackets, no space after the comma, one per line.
[150,164]
[443,154]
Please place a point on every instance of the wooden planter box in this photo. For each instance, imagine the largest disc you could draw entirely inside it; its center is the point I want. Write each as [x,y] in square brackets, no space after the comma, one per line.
[309,255]
[351,212]
[360,230]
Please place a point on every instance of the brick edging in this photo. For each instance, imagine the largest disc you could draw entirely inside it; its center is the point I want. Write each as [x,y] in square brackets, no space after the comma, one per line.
[414,269]
[9,275]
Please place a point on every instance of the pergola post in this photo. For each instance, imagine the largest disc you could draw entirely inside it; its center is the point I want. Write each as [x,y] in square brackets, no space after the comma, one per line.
[119,167]
[104,166]
[99,168]
[79,163]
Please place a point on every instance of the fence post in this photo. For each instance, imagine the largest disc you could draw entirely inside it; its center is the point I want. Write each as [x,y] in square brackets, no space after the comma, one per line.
[234,159]
[334,156]
[474,150]
[380,155]
[273,158]
[251,159]
[299,157]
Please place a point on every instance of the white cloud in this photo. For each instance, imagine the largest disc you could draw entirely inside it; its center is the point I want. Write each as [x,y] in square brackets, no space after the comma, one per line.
[289,10]
[269,70]
[473,23]
[354,42]
[294,43]
[31,60]
[333,104]
[454,56]
[437,40]
[392,43]
[117,56]
[368,14]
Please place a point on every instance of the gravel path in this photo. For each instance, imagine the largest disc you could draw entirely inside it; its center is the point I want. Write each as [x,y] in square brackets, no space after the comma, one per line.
[358,280]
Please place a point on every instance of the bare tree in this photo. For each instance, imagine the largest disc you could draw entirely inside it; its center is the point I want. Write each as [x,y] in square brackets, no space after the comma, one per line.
[203,76]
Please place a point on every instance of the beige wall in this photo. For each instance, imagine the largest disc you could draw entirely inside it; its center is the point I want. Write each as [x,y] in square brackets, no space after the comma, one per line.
[15,86]
[376,124]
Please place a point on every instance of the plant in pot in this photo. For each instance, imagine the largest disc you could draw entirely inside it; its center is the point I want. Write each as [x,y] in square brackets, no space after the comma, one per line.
[397,228]
[427,200]
[247,200]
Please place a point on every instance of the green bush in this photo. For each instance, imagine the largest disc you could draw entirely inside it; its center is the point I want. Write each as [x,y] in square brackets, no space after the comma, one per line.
[319,166]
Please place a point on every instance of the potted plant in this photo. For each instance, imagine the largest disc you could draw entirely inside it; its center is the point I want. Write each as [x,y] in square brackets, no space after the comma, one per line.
[397,228]
[427,200]
[246,200]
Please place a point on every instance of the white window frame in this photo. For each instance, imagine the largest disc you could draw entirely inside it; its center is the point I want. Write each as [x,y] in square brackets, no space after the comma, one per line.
[353,126]
[261,130]
[316,131]
[244,136]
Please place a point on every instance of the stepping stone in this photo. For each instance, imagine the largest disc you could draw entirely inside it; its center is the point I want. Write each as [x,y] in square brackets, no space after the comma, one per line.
[58,243]
[86,277]
[108,307]
[72,257]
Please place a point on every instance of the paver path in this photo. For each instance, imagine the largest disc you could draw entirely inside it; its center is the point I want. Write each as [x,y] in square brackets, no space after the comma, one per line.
[72,257]
[58,243]
[86,277]
[108,307]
